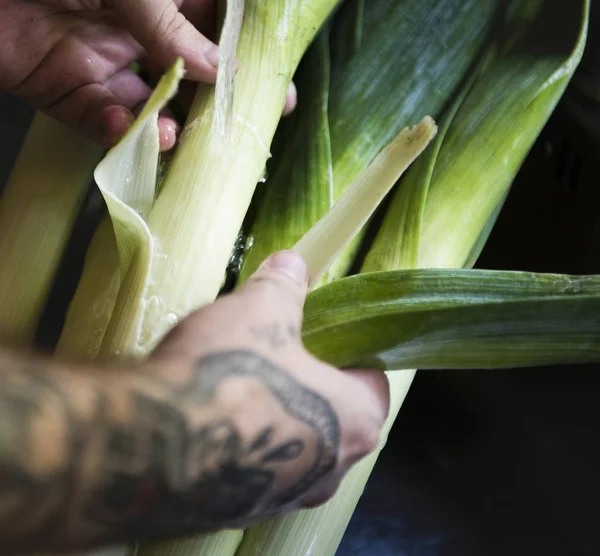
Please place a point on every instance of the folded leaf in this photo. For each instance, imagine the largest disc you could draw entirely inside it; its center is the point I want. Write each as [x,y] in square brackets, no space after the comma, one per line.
[328,237]
[127,179]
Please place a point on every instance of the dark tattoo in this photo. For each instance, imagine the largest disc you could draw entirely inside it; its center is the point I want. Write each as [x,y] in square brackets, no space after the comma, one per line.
[39,500]
[158,460]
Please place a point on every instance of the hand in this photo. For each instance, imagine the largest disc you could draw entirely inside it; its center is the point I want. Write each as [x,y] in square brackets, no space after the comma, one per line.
[229,422]
[284,427]
[70,58]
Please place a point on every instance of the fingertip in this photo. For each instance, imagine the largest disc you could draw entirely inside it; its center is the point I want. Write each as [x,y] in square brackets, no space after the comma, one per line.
[201,64]
[281,282]
[166,34]
[212,55]
[114,122]
[291,100]
[168,130]
[290,264]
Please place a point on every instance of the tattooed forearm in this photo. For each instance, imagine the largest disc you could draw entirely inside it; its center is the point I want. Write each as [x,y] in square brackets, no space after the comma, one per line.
[140,457]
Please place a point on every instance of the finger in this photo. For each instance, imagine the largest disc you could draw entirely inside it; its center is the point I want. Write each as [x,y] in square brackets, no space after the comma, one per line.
[361,436]
[281,282]
[129,89]
[372,389]
[377,385]
[168,131]
[166,34]
[168,128]
[291,99]
[95,112]
[103,112]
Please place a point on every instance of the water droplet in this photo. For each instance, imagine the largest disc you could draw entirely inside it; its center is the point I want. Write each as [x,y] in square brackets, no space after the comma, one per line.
[171,319]
[264,176]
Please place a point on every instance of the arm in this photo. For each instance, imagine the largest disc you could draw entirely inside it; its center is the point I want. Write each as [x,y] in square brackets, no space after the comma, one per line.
[229,423]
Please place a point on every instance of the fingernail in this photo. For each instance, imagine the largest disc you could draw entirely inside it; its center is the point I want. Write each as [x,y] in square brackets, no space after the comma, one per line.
[291,264]
[291,99]
[168,131]
[211,54]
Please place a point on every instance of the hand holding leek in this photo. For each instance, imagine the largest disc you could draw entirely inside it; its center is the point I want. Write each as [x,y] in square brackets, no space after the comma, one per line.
[229,422]
[174,237]
[70,58]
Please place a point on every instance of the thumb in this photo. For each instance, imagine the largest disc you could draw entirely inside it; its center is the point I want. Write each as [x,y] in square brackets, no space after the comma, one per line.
[166,34]
[280,284]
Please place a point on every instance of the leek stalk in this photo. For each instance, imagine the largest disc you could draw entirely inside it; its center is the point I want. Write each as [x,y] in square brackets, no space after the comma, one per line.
[207,199]
[204,201]
[38,209]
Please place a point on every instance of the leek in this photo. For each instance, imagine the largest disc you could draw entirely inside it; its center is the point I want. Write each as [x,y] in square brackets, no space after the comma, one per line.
[440,213]
[207,199]
[38,209]
[92,306]
[204,200]
[327,238]
[455,319]
[439,217]
[369,99]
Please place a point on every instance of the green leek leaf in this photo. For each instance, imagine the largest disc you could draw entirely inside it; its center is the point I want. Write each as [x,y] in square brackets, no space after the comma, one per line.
[371,98]
[488,138]
[432,319]
[298,196]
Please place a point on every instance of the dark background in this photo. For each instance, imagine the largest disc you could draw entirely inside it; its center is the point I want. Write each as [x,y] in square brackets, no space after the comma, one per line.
[492,463]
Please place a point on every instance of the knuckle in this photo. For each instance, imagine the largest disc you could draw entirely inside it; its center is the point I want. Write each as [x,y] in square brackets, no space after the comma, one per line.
[365,440]
[272,285]
[169,24]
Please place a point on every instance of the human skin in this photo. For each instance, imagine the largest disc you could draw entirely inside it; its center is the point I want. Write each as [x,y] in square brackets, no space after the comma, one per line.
[231,421]
[71,58]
